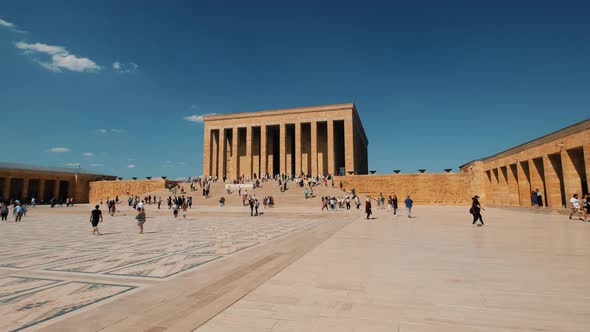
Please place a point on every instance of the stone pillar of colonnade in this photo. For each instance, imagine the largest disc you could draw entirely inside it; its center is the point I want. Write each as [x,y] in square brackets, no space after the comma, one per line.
[571,178]
[504,188]
[263,157]
[282,148]
[536,174]
[221,155]
[330,146]
[314,148]
[349,146]
[552,183]
[25,193]
[207,152]
[523,183]
[213,155]
[41,194]
[514,198]
[235,156]
[56,189]
[248,167]
[6,189]
[297,148]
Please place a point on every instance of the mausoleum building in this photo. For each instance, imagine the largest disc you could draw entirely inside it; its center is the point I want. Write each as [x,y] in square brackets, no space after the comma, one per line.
[314,140]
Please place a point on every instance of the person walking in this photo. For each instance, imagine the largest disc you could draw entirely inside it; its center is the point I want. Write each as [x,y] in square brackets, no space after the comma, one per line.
[251,203]
[95,218]
[175,211]
[368,209]
[184,208]
[4,212]
[476,210]
[256,205]
[159,201]
[586,207]
[18,212]
[140,220]
[574,205]
[409,203]
[394,204]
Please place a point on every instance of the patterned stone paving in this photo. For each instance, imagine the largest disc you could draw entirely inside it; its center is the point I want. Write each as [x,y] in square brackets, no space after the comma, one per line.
[51,265]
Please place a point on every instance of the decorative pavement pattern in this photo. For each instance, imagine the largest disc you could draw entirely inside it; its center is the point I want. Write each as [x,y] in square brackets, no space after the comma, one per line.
[51,265]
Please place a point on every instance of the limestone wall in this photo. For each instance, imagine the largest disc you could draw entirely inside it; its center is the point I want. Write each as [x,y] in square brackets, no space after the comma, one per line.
[101,190]
[430,189]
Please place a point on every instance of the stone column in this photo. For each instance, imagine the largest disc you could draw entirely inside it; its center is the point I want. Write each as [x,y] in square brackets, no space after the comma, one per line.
[551,183]
[349,146]
[297,148]
[25,193]
[6,189]
[56,190]
[234,153]
[207,152]
[248,168]
[512,185]
[523,185]
[41,195]
[221,154]
[330,147]
[571,178]
[314,148]
[214,151]
[282,149]
[536,179]
[263,159]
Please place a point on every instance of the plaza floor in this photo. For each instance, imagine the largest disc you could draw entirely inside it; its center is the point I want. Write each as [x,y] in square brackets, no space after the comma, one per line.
[295,269]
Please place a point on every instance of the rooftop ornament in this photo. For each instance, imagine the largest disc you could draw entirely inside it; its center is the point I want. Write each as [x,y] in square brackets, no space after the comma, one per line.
[421,170]
[164,177]
[350,172]
[396,171]
[148,177]
[372,172]
[134,177]
[448,170]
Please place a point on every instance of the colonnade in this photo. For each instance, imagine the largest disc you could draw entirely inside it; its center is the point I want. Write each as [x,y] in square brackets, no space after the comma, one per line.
[303,147]
[557,173]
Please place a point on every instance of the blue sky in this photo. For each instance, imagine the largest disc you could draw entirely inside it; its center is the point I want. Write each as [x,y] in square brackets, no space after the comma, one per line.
[436,83]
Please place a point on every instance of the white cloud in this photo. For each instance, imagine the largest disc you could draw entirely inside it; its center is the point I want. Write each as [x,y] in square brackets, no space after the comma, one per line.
[170,164]
[112,130]
[131,166]
[58,150]
[9,25]
[73,164]
[88,154]
[196,117]
[125,68]
[61,58]
[96,165]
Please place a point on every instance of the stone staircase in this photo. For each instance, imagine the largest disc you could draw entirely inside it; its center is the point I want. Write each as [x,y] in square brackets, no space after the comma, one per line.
[293,196]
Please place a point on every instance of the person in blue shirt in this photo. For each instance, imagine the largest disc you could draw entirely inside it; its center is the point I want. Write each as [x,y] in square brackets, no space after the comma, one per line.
[409,202]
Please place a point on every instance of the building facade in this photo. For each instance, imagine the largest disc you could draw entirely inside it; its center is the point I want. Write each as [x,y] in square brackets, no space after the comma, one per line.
[315,140]
[22,181]
[557,165]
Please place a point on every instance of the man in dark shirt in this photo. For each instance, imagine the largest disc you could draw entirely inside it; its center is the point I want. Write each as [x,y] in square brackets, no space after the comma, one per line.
[95,218]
